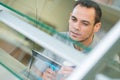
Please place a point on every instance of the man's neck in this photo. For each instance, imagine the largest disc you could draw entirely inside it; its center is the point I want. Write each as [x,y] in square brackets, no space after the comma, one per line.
[85,43]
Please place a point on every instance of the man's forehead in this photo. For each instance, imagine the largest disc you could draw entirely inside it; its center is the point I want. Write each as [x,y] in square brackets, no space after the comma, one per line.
[85,13]
[83,9]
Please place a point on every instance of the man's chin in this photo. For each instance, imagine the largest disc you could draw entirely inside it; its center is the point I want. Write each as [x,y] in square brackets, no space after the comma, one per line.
[74,38]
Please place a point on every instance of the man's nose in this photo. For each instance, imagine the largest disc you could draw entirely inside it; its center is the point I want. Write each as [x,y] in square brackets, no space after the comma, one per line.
[77,25]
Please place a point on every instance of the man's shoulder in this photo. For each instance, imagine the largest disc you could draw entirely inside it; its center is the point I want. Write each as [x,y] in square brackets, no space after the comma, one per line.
[96,40]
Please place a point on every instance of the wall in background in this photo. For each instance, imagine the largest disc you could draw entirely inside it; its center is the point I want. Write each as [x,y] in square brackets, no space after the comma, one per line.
[54,12]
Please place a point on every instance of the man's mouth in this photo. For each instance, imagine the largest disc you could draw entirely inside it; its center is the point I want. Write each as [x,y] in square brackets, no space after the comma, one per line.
[74,33]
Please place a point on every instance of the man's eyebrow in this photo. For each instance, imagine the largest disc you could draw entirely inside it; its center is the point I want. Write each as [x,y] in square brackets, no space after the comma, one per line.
[73,16]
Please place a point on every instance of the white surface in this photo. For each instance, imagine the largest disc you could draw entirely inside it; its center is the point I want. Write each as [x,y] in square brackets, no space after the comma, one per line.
[6,75]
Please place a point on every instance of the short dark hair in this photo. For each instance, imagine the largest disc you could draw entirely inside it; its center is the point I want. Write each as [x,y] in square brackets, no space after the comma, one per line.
[91,4]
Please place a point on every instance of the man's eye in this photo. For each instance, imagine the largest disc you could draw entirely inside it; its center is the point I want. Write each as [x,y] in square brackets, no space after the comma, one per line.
[86,24]
[74,19]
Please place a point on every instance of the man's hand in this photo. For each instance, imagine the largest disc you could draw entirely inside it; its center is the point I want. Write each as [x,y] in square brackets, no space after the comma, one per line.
[65,71]
[49,74]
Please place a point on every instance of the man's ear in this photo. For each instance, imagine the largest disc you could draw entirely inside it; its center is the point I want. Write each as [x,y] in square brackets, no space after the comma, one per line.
[97,27]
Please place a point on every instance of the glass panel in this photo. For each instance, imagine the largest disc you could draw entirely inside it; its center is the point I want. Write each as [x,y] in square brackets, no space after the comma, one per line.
[10,66]
[7,73]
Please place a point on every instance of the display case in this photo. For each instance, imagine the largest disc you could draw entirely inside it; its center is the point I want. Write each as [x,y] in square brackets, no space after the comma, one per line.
[29,34]
[24,31]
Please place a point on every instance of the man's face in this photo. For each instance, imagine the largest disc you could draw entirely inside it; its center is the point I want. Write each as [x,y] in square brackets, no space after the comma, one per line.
[81,23]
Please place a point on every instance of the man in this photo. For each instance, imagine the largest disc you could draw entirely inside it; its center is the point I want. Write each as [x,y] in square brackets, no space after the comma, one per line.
[84,21]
